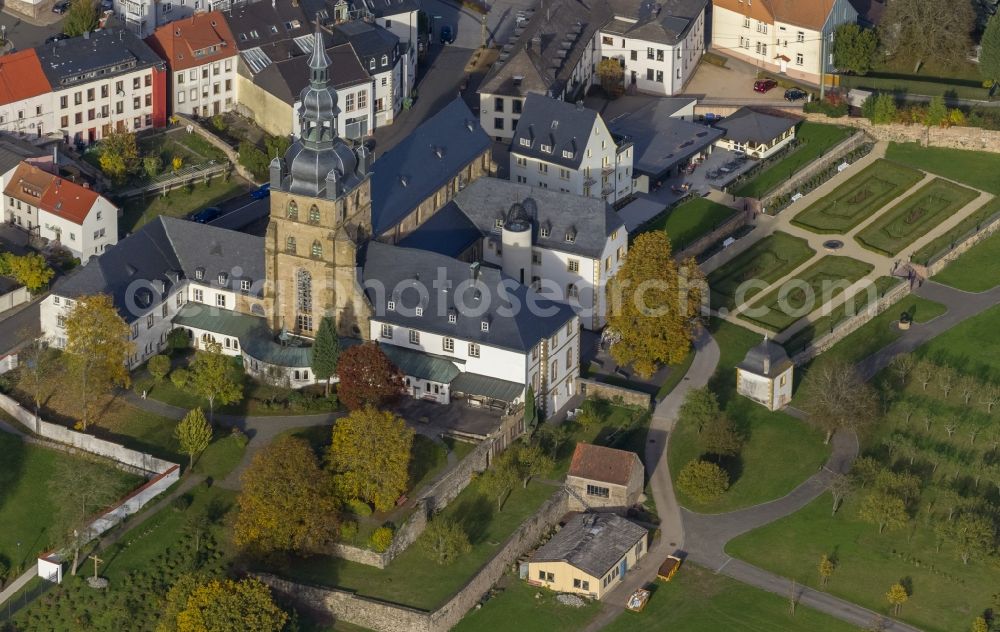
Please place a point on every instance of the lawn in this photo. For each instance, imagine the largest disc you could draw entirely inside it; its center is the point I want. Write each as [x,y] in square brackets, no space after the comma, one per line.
[815,138]
[697,600]
[514,606]
[688,222]
[413,578]
[962,230]
[972,346]
[26,508]
[915,216]
[190,148]
[179,202]
[757,476]
[766,261]
[854,305]
[977,270]
[857,199]
[948,87]
[823,281]
[973,168]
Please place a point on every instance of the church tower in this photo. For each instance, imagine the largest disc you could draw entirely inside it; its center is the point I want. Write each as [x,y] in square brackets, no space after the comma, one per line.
[320,216]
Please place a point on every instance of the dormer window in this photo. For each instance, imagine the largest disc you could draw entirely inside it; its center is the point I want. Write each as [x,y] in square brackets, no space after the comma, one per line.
[485,325]
[452,316]
[547,149]
[420,311]
[543,231]
[391,306]
[371,64]
[571,235]
[245,286]
[525,142]
[223,278]
[498,222]
[385,60]
[199,274]
[567,154]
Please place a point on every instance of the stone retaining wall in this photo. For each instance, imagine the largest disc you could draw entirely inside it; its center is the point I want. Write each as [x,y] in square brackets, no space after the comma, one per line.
[231,154]
[730,226]
[836,154]
[971,138]
[630,397]
[942,262]
[384,616]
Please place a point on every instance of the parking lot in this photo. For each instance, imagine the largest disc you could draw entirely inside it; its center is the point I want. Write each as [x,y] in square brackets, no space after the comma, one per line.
[732,83]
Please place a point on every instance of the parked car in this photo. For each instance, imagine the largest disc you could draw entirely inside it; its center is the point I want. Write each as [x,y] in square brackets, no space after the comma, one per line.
[107,5]
[206,214]
[55,38]
[60,7]
[712,117]
[794,94]
[261,192]
[446,35]
[763,85]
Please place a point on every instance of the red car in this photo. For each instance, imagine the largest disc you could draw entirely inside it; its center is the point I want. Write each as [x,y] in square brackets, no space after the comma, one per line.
[763,85]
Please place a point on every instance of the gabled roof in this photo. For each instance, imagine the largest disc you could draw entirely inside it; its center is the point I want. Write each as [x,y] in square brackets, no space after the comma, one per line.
[560,126]
[255,24]
[591,542]
[102,53]
[662,22]
[286,79]
[423,162]
[811,14]
[606,465]
[659,140]
[370,41]
[750,125]
[51,193]
[21,77]
[199,39]
[448,232]
[451,289]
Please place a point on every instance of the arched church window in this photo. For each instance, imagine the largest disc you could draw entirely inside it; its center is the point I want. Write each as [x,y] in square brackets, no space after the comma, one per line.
[314,214]
[290,245]
[293,210]
[303,291]
[317,250]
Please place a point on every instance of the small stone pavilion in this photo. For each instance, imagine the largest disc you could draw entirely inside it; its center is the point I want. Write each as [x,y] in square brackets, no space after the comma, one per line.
[765,375]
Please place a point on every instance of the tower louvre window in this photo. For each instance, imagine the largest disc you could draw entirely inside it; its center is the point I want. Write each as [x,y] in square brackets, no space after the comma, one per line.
[293,210]
[314,214]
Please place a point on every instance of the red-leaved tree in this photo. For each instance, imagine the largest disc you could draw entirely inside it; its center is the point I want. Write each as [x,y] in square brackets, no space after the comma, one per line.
[368,378]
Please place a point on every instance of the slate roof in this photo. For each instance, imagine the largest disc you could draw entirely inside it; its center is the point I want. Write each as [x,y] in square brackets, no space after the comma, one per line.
[104,52]
[660,141]
[591,220]
[767,354]
[749,125]
[486,386]
[448,232]
[259,23]
[560,126]
[13,151]
[665,22]
[370,42]
[423,162]
[512,325]
[179,41]
[286,79]
[21,77]
[423,366]
[164,253]
[592,542]
[607,465]
[386,8]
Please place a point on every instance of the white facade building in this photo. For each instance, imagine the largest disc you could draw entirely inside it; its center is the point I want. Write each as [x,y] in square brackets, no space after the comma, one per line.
[568,148]
[757,133]
[765,375]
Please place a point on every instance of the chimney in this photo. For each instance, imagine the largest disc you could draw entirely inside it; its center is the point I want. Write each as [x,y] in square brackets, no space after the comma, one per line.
[474,270]
[767,358]
[86,185]
[579,106]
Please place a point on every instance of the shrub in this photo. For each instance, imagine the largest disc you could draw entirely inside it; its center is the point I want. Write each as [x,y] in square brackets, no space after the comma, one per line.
[253,159]
[143,386]
[219,123]
[152,165]
[182,502]
[178,340]
[381,539]
[241,438]
[348,530]
[158,366]
[832,110]
[703,480]
[359,508]
[180,377]
[177,163]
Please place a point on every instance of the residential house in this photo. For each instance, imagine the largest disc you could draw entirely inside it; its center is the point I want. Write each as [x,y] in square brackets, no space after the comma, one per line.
[25,94]
[378,51]
[201,57]
[14,151]
[567,147]
[54,208]
[104,80]
[143,17]
[765,375]
[787,36]
[759,133]
[658,44]
[399,17]
[604,478]
[589,555]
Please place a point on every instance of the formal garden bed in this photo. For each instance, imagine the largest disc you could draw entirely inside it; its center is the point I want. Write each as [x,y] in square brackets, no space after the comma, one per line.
[821,282]
[755,475]
[857,199]
[690,221]
[977,169]
[767,260]
[815,139]
[938,440]
[915,216]
[976,270]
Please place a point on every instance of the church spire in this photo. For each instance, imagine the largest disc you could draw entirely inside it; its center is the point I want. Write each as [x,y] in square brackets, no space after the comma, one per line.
[319,62]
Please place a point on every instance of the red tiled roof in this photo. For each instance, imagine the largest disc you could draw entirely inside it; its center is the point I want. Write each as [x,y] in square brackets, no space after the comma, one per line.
[56,195]
[178,41]
[597,463]
[21,77]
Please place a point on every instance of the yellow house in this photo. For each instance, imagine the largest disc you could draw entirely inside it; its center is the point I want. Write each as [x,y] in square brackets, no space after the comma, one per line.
[589,556]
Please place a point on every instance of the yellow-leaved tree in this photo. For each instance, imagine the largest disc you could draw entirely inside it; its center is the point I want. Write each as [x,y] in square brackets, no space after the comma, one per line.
[370,456]
[654,305]
[98,342]
[221,606]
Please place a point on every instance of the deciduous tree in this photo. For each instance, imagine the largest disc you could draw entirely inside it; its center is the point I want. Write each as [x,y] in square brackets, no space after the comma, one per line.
[883,510]
[287,502]
[227,605]
[973,536]
[896,597]
[720,437]
[700,407]
[97,344]
[903,365]
[702,480]
[654,305]
[36,367]
[979,624]
[158,367]
[865,470]
[840,486]
[531,461]
[854,49]
[368,378]
[837,398]
[612,76]
[193,433]
[444,540]
[326,352]
[370,456]
[927,29]
[119,155]
[30,270]
[497,481]
[81,18]
[214,378]
[825,569]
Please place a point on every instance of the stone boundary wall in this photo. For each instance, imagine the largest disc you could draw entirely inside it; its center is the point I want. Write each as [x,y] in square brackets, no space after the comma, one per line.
[851,325]
[961,248]
[831,157]
[971,138]
[630,397]
[703,243]
[384,616]
[433,500]
[231,154]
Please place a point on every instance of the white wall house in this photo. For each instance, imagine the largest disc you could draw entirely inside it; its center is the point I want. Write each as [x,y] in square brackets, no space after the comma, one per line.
[759,134]
[399,17]
[794,38]
[25,103]
[568,148]
[58,210]
[765,375]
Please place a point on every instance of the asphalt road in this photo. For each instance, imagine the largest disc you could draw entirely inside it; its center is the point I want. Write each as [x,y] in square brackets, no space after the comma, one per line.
[20,326]
[23,35]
